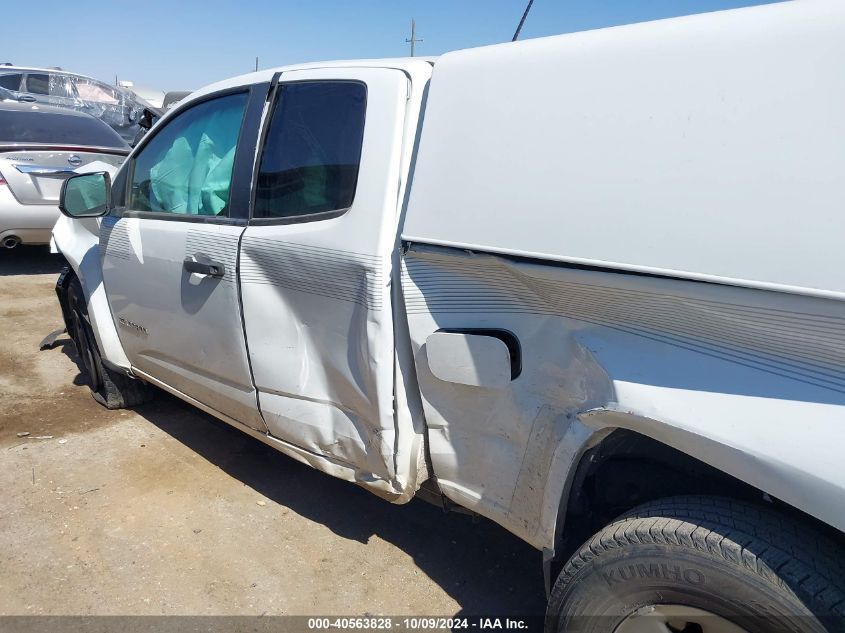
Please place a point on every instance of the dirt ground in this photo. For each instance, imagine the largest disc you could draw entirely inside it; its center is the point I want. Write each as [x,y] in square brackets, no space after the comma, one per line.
[164,510]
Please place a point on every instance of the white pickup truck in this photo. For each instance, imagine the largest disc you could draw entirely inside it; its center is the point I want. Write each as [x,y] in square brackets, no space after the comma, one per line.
[591,287]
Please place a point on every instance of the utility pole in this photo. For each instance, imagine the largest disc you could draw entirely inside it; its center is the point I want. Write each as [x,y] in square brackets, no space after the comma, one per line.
[413,39]
[522,21]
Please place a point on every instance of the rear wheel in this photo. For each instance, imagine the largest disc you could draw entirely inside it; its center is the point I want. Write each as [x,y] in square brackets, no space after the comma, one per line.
[110,388]
[702,565]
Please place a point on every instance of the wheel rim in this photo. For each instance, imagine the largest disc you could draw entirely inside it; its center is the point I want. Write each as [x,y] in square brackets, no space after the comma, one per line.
[675,618]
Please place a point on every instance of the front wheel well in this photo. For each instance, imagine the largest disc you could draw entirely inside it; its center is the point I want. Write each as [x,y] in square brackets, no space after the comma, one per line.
[62,283]
[627,469]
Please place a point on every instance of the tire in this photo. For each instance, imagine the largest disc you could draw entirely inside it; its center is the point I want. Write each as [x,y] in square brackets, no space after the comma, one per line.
[748,564]
[110,388]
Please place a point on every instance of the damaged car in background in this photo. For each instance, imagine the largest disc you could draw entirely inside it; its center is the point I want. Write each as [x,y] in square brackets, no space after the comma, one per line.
[119,108]
[41,146]
[151,115]
[605,309]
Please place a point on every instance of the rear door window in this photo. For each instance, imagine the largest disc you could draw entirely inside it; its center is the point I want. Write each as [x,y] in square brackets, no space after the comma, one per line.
[312,152]
[186,168]
[37,83]
[52,85]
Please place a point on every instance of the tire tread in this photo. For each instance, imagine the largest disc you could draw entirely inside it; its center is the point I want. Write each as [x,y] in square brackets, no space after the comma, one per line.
[742,533]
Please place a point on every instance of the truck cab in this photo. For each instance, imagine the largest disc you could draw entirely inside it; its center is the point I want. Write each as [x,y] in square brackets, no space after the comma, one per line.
[259,219]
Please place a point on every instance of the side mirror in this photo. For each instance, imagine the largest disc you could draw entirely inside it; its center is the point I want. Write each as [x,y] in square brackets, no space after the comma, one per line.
[86,195]
[146,120]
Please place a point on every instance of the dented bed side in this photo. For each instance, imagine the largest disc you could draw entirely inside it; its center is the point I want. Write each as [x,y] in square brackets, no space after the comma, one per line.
[738,379]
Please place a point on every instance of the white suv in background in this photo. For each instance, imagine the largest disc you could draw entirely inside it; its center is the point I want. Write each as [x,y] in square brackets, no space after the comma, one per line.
[118,108]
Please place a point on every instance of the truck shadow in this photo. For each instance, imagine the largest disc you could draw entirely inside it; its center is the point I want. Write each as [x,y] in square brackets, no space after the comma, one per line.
[484,568]
[29,260]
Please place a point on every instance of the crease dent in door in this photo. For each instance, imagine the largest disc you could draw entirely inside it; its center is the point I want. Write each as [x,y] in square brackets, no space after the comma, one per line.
[329,352]
[316,274]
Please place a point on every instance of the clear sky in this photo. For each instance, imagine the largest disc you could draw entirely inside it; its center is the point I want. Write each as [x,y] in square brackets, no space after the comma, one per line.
[185,44]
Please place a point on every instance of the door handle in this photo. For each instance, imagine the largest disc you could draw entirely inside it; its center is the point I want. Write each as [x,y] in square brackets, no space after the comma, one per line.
[209,269]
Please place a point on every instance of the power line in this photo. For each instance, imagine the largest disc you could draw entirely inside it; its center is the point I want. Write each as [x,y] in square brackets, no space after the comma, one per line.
[522,21]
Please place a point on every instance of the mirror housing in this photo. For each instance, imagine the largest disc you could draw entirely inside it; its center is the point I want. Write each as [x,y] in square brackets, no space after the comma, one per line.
[86,195]
[146,120]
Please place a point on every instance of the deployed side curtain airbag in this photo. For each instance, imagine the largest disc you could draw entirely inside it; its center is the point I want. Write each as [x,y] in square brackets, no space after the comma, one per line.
[187,167]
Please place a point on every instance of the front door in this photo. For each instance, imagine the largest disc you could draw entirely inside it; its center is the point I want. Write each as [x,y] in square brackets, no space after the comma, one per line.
[170,256]
[316,263]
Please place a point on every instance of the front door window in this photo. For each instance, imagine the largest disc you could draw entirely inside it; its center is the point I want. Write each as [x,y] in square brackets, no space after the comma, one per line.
[186,168]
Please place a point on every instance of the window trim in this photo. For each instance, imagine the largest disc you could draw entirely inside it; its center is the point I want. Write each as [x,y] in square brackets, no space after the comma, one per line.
[126,212]
[123,212]
[276,89]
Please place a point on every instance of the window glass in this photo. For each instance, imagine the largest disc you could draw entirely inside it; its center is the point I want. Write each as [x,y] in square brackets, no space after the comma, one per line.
[37,84]
[186,167]
[96,91]
[313,150]
[11,81]
[53,85]
[60,86]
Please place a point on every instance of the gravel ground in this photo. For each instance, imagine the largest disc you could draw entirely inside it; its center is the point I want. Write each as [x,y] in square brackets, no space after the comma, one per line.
[164,510]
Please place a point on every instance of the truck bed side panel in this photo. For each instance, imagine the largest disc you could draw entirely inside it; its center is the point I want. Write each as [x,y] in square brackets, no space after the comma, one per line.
[746,380]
